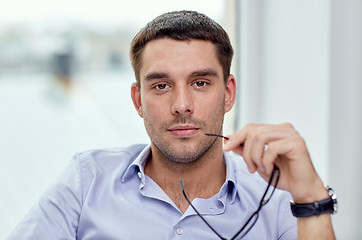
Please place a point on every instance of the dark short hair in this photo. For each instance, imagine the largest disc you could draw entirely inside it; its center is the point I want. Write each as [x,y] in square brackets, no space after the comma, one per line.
[183,25]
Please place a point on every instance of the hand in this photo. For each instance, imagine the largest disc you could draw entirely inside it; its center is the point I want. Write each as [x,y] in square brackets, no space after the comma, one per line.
[265,145]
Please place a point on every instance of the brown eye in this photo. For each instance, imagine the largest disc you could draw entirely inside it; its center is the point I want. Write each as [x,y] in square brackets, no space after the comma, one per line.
[200,84]
[161,86]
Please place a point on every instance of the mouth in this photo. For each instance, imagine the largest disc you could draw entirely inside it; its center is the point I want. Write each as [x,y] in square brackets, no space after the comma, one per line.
[184,131]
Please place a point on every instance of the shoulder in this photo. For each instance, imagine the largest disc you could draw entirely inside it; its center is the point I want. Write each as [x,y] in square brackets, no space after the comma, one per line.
[98,166]
[110,156]
[101,163]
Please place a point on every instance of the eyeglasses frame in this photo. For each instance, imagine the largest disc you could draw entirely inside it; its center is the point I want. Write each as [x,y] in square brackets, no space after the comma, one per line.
[255,214]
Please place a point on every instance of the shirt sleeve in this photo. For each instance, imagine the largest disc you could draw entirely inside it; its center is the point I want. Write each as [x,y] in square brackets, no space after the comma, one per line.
[57,212]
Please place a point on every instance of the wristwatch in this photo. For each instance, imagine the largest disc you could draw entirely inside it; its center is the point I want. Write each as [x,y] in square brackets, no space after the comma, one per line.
[328,205]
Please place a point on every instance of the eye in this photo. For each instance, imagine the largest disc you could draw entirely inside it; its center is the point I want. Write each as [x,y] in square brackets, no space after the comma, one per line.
[161,86]
[200,84]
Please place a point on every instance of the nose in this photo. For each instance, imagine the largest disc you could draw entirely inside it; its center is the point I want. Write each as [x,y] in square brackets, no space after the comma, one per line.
[182,102]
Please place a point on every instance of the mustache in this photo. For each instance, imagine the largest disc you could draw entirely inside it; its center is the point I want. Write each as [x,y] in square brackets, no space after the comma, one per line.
[185,120]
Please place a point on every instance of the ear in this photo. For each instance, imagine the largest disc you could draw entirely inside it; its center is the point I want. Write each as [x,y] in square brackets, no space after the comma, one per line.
[136,98]
[230,93]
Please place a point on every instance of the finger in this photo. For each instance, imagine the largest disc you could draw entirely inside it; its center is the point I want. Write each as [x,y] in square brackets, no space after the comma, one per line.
[238,149]
[258,142]
[234,141]
[260,137]
[237,143]
[292,147]
[239,137]
[289,152]
[256,139]
[269,157]
[248,145]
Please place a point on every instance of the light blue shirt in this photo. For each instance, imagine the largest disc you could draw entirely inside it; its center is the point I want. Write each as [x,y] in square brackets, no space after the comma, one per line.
[104,195]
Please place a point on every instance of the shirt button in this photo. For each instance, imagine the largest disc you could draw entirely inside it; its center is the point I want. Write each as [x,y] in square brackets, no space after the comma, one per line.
[179,231]
[139,174]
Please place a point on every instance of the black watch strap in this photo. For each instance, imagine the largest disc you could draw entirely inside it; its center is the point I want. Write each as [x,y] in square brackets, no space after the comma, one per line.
[328,205]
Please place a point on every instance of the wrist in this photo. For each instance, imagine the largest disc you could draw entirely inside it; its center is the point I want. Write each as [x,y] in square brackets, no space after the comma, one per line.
[312,193]
[326,205]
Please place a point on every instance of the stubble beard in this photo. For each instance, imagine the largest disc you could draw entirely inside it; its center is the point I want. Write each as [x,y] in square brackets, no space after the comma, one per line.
[182,151]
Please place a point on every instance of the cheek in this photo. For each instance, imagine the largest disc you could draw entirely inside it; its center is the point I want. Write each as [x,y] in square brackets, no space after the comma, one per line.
[152,109]
[211,106]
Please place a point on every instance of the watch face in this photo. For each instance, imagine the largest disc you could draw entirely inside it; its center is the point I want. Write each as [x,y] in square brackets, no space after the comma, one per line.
[334,199]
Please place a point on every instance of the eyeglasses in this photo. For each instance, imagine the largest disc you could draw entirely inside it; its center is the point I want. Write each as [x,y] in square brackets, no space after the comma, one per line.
[272,185]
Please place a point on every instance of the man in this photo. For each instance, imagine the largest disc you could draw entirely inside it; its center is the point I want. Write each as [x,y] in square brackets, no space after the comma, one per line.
[183,89]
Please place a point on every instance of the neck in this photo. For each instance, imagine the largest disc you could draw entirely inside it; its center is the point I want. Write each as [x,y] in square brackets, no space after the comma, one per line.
[203,177]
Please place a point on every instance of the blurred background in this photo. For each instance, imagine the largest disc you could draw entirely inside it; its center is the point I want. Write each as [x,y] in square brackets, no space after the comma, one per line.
[65,80]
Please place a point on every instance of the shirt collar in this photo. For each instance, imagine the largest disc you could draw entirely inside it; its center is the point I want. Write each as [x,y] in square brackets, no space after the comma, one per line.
[139,163]
[230,182]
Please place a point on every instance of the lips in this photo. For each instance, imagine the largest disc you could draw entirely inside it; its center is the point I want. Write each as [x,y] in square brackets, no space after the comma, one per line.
[185,131]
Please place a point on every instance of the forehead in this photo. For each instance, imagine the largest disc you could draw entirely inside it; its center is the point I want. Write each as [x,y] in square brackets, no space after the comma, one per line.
[179,56]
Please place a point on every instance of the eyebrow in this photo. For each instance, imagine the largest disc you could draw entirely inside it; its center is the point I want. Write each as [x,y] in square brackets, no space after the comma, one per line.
[199,73]
[204,73]
[155,75]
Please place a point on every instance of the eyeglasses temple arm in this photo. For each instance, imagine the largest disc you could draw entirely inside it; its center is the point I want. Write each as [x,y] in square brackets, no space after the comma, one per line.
[262,203]
[275,170]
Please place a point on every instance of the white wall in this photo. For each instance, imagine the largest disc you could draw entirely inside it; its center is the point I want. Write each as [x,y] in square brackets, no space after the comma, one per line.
[345,122]
[300,63]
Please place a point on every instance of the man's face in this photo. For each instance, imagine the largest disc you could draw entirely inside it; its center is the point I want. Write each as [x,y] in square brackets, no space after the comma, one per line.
[182,96]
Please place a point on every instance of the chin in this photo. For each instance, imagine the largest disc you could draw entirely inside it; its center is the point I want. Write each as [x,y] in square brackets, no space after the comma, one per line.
[185,153]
